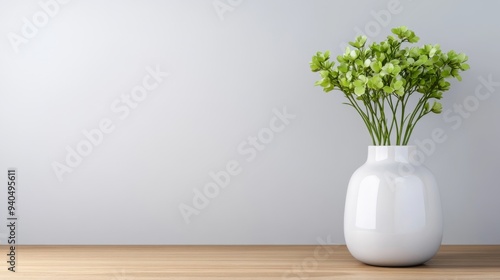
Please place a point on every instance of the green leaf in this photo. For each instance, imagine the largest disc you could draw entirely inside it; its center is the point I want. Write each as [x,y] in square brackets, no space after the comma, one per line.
[432,52]
[324,82]
[359,63]
[367,63]
[416,74]
[437,108]
[318,83]
[344,82]
[348,75]
[354,44]
[358,83]
[361,40]
[461,57]
[388,89]
[413,39]
[314,67]
[427,107]
[396,70]
[353,54]
[360,90]
[395,62]
[388,67]
[376,66]
[437,95]
[423,58]
[397,85]
[464,66]
[444,85]
[326,55]
[343,68]
[400,31]
[381,57]
[375,82]
[328,88]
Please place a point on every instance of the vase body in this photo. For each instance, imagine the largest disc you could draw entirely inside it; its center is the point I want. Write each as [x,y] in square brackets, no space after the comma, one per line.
[393,210]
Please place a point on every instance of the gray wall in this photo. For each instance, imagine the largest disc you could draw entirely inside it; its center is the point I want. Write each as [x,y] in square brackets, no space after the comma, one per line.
[161,97]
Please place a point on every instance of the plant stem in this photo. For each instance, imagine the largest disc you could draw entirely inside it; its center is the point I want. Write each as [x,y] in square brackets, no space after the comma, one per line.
[365,118]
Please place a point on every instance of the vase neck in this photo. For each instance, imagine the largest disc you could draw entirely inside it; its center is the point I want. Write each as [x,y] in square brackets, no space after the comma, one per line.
[392,153]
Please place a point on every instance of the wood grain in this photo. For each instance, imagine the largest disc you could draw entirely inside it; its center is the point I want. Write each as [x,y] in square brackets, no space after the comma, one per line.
[237,262]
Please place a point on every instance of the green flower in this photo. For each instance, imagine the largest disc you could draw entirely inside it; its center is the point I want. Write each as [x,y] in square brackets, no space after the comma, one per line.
[378,80]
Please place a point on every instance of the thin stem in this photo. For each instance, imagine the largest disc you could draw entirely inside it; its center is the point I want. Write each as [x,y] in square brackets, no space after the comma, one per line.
[383,123]
[365,118]
[394,109]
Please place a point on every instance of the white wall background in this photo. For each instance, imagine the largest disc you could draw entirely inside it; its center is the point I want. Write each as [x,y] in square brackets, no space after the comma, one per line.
[228,72]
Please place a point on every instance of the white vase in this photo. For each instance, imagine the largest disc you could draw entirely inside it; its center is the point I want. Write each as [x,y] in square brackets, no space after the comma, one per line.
[393,211]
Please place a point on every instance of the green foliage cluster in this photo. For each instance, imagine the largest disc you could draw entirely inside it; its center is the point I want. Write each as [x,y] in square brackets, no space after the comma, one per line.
[379,79]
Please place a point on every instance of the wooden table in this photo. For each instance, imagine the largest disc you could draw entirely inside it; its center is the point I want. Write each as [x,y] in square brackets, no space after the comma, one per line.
[237,262]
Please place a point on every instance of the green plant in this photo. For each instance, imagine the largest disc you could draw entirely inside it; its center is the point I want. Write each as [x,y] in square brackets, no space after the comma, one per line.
[378,81]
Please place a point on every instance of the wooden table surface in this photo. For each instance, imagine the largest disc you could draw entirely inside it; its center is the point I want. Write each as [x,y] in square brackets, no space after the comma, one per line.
[237,262]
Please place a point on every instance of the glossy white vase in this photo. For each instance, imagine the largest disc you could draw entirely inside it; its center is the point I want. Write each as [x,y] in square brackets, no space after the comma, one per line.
[393,210]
